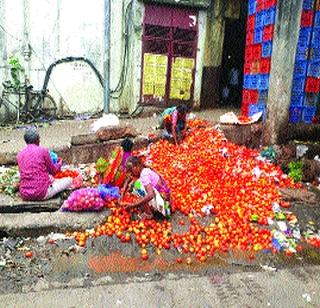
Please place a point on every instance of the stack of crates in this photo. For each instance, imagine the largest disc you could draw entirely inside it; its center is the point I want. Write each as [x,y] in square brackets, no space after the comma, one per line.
[306,78]
[260,28]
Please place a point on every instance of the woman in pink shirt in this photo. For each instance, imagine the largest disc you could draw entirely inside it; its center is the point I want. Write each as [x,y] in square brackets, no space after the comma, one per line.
[35,167]
[151,188]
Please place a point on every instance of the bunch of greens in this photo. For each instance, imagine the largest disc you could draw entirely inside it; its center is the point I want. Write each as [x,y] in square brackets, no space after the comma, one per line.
[296,170]
[9,180]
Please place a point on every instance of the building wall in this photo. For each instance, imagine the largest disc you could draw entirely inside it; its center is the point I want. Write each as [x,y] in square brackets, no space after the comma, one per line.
[61,28]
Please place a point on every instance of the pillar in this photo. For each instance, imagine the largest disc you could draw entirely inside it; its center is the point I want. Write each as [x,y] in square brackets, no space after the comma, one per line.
[285,39]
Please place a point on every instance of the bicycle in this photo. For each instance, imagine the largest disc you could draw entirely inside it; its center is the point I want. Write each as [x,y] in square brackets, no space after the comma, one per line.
[37,105]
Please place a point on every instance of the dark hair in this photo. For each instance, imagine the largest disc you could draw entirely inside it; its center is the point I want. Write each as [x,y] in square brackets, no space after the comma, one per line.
[133,161]
[31,136]
[183,108]
[127,145]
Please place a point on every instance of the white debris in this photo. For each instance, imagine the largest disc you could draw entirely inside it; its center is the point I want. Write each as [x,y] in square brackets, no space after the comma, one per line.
[268,268]
[307,297]
[301,150]
[106,120]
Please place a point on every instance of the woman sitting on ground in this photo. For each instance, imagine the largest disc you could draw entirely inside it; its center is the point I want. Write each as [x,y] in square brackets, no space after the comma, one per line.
[35,167]
[150,187]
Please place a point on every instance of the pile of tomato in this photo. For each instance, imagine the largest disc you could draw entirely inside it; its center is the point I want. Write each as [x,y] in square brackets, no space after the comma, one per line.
[205,170]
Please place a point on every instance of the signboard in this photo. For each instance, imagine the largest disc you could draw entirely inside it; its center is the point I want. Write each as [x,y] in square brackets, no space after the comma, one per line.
[202,4]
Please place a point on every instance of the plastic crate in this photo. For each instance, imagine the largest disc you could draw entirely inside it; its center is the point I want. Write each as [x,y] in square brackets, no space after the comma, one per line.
[263,82]
[249,38]
[308,4]
[304,37]
[308,114]
[297,99]
[263,95]
[249,53]
[255,108]
[315,41]
[316,22]
[259,19]
[312,85]
[268,33]
[298,84]
[314,69]
[258,35]
[247,67]
[250,82]
[257,51]
[269,17]
[314,54]
[300,69]
[250,96]
[252,7]
[306,18]
[251,22]
[295,114]
[265,65]
[302,53]
[255,67]
[311,99]
[269,3]
[266,49]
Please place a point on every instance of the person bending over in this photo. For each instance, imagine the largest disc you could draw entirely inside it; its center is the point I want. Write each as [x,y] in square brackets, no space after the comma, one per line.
[36,168]
[173,122]
[151,188]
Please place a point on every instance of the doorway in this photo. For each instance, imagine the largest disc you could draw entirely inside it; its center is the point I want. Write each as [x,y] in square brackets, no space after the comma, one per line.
[233,56]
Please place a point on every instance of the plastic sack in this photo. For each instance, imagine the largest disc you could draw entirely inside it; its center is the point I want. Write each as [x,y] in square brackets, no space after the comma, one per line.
[108,192]
[84,199]
[105,121]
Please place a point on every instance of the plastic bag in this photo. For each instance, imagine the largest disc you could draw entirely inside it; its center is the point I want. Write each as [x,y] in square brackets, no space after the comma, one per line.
[108,192]
[54,157]
[106,120]
[84,199]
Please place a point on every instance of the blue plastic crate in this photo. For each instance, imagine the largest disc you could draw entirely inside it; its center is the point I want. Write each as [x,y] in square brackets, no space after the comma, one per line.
[255,108]
[297,99]
[311,99]
[266,49]
[258,33]
[305,36]
[250,82]
[302,53]
[295,114]
[259,20]
[300,69]
[315,41]
[298,84]
[263,96]
[308,114]
[252,5]
[314,69]
[263,82]
[269,16]
[316,22]
[315,54]
[308,4]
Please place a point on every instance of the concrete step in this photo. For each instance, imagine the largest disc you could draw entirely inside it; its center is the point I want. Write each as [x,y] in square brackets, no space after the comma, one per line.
[36,224]
[15,204]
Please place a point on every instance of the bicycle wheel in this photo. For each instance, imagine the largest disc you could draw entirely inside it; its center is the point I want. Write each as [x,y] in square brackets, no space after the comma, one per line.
[6,116]
[46,108]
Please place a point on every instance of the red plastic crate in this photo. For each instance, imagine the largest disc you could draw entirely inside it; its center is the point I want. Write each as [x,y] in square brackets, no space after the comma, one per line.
[250,37]
[268,33]
[257,50]
[249,53]
[247,67]
[260,6]
[245,109]
[255,67]
[269,3]
[312,85]
[265,65]
[307,18]
[251,22]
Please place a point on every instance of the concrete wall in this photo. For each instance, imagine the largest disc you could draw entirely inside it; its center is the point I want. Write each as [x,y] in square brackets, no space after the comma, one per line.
[61,28]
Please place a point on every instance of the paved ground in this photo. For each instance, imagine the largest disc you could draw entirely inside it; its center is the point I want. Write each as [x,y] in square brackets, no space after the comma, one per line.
[58,134]
[296,287]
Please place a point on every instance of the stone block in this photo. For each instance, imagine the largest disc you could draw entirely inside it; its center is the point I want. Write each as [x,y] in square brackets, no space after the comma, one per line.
[118,132]
[84,139]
